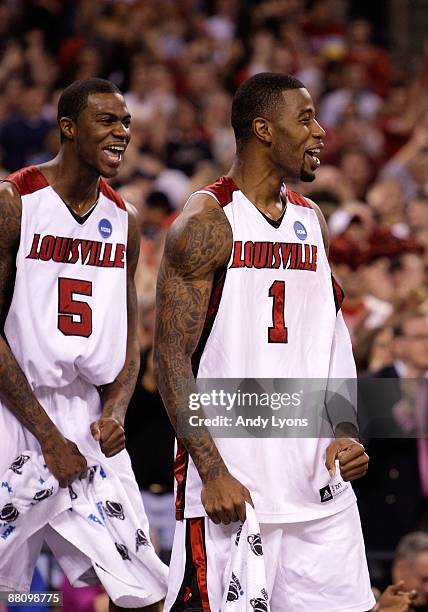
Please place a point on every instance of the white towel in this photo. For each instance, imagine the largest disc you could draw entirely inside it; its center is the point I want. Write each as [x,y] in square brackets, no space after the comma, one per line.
[94,514]
[246,587]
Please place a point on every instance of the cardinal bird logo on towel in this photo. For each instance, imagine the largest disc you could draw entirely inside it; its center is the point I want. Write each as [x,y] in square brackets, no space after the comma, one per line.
[235,589]
[238,534]
[255,542]
[9,513]
[17,465]
[123,551]
[114,510]
[140,539]
[259,604]
[43,494]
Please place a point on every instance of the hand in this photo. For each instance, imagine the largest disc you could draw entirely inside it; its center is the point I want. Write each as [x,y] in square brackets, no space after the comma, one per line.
[63,459]
[224,499]
[395,599]
[353,461]
[110,434]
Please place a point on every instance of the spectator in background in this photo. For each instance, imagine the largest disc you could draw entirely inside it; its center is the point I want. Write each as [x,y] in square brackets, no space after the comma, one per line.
[373,351]
[23,135]
[185,146]
[395,599]
[155,214]
[356,90]
[374,59]
[356,169]
[393,494]
[386,199]
[411,566]
[409,166]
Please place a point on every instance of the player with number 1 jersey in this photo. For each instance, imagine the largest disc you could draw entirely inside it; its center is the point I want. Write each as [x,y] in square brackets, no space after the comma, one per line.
[245,292]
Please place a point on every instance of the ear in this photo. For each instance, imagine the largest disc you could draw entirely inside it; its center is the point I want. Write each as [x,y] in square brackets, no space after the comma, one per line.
[67,127]
[398,570]
[262,129]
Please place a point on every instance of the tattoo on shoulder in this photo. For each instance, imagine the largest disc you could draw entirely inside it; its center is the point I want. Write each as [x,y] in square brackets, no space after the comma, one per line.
[10,216]
[199,243]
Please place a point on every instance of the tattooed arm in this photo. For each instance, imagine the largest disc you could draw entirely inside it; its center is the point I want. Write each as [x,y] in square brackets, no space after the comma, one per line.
[61,455]
[108,430]
[198,244]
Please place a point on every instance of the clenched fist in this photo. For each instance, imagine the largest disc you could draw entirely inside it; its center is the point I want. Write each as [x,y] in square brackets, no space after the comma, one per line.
[110,434]
[353,460]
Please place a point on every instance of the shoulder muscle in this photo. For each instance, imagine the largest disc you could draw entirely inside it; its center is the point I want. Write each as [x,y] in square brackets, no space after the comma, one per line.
[10,216]
[199,241]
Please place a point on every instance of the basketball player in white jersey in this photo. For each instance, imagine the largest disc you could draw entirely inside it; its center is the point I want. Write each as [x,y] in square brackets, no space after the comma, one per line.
[69,356]
[245,291]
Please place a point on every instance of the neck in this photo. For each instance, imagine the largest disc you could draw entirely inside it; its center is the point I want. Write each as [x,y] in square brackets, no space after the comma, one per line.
[75,183]
[260,183]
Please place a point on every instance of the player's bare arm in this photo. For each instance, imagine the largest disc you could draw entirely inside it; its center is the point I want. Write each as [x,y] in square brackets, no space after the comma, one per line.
[353,460]
[198,244]
[108,430]
[61,455]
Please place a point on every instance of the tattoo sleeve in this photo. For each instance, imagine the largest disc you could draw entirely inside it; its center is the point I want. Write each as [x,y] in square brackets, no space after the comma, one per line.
[15,391]
[198,244]
[117,394]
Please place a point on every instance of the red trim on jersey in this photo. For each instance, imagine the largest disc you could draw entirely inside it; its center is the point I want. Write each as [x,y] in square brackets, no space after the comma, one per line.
[338,293]
[200,560]
[222,189]
[209,321]
[181,463]
[297,198]
[111,194]
[27,180]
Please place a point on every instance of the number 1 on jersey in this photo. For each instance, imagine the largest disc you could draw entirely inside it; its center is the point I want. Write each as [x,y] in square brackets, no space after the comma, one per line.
[278,333]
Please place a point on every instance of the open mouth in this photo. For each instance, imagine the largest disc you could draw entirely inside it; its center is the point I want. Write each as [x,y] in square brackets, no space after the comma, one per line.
[114,153]
[313,155]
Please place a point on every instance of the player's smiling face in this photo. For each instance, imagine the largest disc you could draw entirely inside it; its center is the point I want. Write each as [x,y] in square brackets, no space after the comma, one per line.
[103,132]
[297,137]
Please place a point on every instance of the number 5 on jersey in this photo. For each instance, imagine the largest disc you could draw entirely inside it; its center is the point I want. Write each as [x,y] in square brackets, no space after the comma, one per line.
[70,309]
[278,333]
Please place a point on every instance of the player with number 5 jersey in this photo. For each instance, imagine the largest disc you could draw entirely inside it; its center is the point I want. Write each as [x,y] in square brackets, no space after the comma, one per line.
[69,358]
[70,287]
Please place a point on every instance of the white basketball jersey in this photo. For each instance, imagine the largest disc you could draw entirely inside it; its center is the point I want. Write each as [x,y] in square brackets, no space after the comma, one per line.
[68,314]
[274,313]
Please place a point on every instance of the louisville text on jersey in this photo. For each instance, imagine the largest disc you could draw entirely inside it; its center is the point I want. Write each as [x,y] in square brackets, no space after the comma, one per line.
[75,250]
[290,255]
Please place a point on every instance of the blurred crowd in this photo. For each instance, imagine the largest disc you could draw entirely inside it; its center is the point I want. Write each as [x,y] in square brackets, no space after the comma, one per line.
[178,64]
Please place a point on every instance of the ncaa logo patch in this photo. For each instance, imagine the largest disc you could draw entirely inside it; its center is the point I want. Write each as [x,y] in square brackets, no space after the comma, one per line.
[105,228]
[300,230]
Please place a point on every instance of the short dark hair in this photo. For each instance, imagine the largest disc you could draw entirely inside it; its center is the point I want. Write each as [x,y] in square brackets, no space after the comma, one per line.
[75,97]
[159,199]
[258,97]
